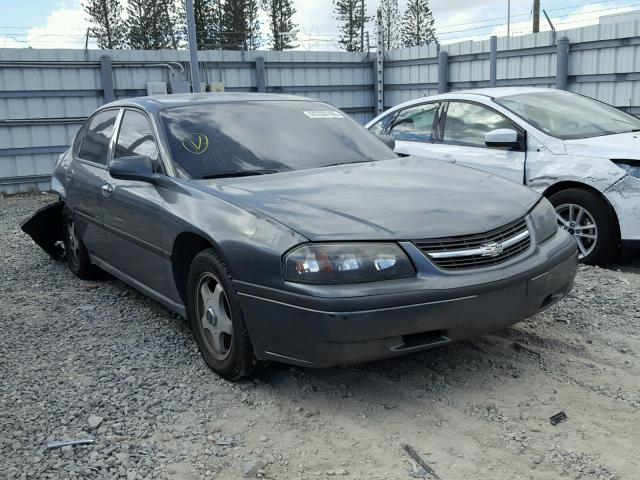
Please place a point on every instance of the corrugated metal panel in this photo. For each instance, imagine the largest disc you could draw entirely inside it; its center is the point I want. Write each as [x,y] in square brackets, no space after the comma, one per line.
[50,86]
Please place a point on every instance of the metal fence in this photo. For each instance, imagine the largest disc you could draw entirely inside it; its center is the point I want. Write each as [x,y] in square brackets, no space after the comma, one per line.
[601,61]
[46,94]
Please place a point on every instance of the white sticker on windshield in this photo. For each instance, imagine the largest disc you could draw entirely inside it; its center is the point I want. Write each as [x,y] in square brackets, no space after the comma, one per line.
[322,114]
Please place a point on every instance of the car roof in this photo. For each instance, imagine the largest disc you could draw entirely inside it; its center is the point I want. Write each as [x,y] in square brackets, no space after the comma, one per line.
[499,92]
[480,94]
[160,102]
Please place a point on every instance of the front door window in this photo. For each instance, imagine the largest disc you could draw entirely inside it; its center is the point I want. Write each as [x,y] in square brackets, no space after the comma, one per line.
[467,124]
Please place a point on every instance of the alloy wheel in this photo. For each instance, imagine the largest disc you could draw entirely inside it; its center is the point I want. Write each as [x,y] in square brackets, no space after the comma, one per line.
[214,316]
[580,224]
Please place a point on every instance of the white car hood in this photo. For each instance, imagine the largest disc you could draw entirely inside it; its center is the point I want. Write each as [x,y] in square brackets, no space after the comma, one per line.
[619,146]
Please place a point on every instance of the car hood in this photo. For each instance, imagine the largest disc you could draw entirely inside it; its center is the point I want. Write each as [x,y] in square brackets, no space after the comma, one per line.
[399,199]
[619,146]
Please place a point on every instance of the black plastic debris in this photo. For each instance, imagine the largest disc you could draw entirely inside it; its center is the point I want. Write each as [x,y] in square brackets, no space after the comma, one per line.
[557,418]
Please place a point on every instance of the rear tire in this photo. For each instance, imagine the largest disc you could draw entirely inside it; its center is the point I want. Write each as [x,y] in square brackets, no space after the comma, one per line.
[588,219]
[216,318]
[74,250]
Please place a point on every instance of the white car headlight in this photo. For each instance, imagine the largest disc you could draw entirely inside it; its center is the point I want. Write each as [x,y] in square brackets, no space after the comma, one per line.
[545,221]
[330,264]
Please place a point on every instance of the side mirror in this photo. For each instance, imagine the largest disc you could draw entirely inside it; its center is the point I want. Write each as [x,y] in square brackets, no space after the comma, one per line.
[388,140]
[135,167]
[502,137]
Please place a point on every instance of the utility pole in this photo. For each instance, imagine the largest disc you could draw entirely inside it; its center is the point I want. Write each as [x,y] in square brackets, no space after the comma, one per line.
[380,64]
[508,18]
[362,25]
[193,47]
[536,16]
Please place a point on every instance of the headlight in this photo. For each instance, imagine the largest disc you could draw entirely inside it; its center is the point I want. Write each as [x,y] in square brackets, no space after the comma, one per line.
[545,221]
[632,167]
[330,264]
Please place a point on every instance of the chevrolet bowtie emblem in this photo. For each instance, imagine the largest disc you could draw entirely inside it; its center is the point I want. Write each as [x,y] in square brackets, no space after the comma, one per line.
[492,249]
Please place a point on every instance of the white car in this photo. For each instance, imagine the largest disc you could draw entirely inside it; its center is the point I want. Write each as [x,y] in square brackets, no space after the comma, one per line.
[582,154]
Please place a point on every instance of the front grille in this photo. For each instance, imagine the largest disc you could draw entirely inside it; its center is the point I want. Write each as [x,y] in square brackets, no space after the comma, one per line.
[480,250]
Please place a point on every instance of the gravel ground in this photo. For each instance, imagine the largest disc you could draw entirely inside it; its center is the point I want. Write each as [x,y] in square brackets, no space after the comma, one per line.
[99,360]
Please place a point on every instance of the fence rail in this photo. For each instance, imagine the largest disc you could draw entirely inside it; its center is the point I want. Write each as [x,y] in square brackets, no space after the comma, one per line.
[45,95]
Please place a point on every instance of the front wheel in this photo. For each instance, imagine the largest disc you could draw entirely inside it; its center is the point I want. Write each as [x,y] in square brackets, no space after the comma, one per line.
[75,252]
[587,218]
[216,318]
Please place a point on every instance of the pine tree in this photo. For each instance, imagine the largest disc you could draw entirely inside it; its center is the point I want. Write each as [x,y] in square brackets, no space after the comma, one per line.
[252,39]
[280,13]
[175,15]
[418,24]
[107,26]
[391,25]
[208,23]
[240,25]
[151,24]
[351,19]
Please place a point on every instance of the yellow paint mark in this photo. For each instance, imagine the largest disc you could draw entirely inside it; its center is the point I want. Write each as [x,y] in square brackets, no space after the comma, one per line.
[196,143]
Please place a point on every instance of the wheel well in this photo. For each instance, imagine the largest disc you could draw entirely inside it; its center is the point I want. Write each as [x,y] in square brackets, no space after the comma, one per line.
[186,246]
[560,186]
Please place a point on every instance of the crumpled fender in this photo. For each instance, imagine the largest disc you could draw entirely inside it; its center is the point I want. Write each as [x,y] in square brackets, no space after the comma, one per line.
[45,227]
[547,170]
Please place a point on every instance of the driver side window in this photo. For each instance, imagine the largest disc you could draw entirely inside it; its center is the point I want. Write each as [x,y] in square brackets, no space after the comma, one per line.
[415,124]
[467,123]
[136,137]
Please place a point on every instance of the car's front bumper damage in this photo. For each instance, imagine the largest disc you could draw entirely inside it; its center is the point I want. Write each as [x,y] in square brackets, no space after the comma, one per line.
[325,331]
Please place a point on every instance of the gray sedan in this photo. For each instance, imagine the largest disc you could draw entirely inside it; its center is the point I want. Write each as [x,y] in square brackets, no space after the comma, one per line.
[283,230]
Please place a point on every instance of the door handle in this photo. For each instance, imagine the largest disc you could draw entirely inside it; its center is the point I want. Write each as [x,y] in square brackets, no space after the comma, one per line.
[107,190]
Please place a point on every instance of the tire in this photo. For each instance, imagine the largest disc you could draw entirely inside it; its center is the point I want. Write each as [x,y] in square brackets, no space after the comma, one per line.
[584,215]
[74,250]
[216,318]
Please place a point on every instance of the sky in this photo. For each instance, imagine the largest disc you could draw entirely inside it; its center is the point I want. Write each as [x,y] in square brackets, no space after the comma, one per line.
[63,24]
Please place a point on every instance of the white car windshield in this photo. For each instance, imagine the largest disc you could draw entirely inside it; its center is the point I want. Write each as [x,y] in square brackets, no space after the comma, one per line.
[568,116]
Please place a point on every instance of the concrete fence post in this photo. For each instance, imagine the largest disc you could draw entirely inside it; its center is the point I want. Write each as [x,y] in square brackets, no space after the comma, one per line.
[443,71]
[562,65]
[493,62]
[261,75]
[106,77]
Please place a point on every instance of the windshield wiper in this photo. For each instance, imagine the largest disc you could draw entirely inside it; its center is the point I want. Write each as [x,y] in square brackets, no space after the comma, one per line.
[236,173]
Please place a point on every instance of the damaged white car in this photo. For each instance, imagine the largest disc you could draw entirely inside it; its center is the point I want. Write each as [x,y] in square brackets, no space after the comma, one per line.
[584,155]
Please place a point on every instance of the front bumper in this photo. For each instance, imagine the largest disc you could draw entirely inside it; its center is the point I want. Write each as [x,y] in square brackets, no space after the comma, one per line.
[322,331]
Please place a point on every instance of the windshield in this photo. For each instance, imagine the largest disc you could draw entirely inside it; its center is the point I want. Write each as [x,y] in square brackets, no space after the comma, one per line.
[568,116]
[225,139]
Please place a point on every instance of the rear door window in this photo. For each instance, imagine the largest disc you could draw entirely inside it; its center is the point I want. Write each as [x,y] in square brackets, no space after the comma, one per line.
[94,145]
[415,124]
